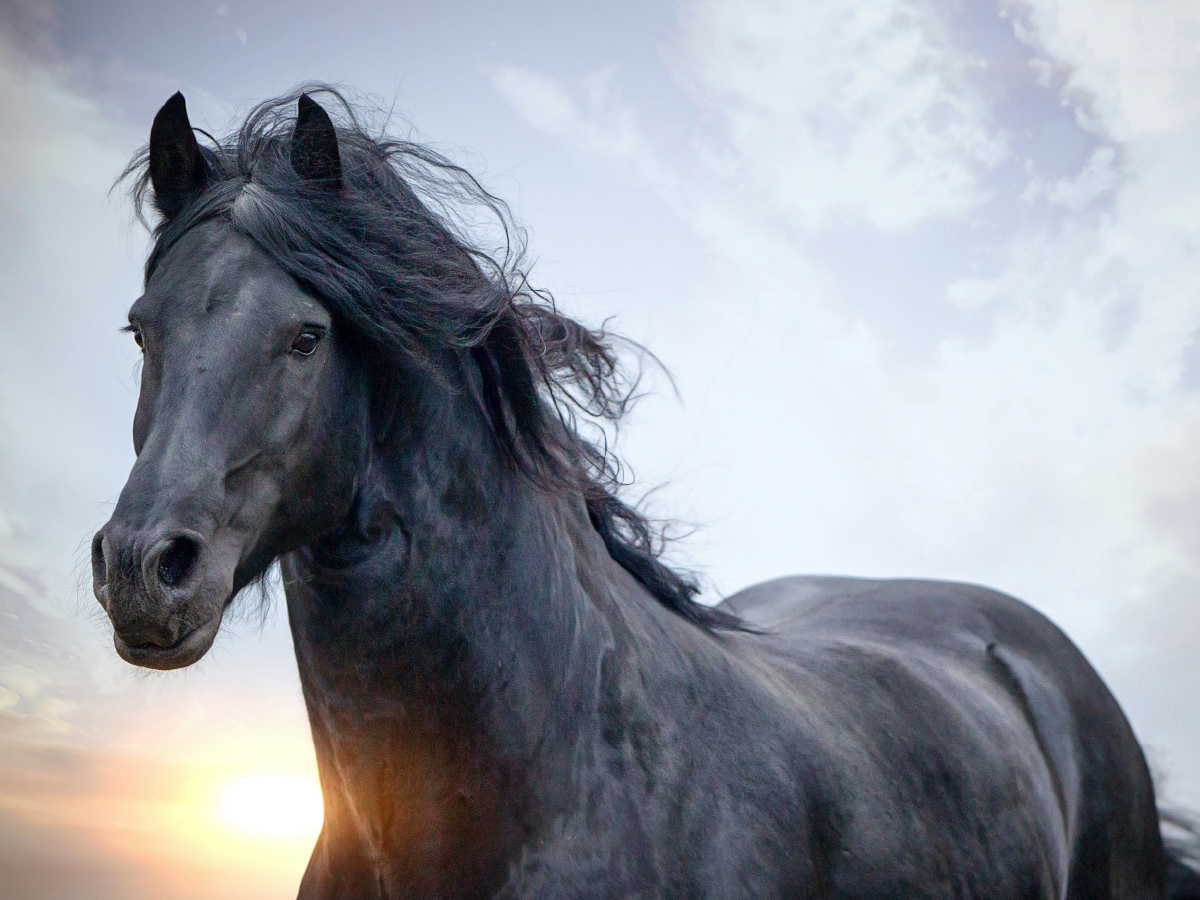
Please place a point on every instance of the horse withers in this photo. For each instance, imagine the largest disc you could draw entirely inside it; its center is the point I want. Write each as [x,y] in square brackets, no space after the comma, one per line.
[510,694]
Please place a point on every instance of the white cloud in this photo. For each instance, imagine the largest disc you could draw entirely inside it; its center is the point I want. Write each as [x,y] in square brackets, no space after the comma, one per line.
[857,112]
[1047,440]
[1097,178]
[66,275]
[602,124]
[1131,65]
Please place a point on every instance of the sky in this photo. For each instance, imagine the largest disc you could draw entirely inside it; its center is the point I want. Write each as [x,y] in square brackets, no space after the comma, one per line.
[924,274]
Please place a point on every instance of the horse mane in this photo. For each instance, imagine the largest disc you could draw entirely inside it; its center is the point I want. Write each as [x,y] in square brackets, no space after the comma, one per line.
[398,258]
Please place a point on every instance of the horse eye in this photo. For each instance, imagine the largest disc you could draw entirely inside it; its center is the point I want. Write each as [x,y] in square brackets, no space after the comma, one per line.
[137,339]
[306,343]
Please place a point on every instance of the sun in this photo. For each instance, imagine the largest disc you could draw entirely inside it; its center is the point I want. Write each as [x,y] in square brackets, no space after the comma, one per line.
[272,804]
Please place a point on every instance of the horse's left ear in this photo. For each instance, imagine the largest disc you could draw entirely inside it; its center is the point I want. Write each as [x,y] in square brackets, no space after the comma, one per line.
[177,169]
[314,145]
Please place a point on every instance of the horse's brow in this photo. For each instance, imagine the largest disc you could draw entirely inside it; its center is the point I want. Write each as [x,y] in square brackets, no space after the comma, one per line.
[133,306]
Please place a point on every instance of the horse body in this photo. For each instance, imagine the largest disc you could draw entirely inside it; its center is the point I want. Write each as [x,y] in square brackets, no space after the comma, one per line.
[544,727]
[510,695]
[502,710]
[978,750]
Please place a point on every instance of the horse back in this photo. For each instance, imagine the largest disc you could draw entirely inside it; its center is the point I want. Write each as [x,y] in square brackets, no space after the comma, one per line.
[976,713]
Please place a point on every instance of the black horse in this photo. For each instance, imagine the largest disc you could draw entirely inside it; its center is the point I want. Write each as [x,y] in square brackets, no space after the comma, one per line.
[510,694]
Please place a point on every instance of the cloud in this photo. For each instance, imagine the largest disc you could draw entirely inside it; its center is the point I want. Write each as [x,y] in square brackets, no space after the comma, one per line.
[599,122]
[65,275]
[933,345]
[1099,176]
[81,814]
[856,112]
[1130,69]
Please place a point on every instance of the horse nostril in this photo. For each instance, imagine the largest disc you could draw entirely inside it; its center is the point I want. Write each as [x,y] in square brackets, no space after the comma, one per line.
[177,560]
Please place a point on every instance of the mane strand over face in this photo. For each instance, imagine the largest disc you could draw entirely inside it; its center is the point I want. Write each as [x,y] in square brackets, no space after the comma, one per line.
[392,251]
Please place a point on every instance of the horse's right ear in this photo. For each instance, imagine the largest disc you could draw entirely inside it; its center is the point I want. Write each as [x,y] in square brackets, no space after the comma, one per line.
[177,169]
[315,154]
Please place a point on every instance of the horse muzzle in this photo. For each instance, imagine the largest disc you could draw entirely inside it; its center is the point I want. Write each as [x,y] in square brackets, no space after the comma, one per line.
[165,593]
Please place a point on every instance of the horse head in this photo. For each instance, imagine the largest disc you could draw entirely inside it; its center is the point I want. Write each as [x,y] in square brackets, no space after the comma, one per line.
[250,424]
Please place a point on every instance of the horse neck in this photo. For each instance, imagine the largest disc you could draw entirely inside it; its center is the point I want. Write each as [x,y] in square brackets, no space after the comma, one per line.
[458,647]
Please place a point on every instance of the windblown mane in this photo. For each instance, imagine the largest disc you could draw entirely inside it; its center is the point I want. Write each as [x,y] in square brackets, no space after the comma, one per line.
[396,259]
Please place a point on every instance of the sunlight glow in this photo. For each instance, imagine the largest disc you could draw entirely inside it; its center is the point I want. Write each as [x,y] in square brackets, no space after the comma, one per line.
[273,804]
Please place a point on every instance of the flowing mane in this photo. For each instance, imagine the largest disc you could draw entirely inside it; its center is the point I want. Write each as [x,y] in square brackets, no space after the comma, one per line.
[396,258]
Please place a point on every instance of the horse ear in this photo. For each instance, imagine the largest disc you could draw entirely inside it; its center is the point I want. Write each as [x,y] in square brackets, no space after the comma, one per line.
[177,169]
[315,146]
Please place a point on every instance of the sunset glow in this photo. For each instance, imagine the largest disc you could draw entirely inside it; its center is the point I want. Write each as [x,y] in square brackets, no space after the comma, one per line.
[272,804]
